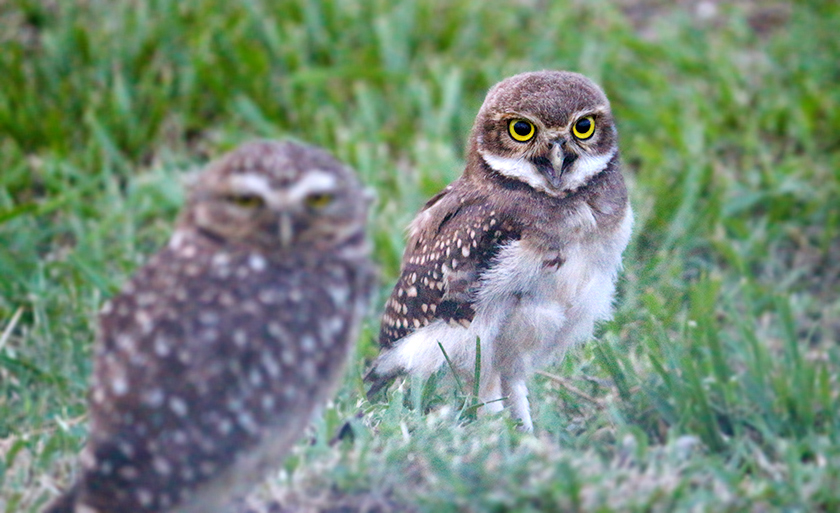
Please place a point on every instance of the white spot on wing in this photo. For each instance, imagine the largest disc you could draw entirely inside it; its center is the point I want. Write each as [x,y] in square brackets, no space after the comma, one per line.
[178,406]
[256,262]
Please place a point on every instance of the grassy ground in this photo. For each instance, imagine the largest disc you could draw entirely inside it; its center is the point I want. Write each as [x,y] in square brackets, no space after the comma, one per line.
[715,387]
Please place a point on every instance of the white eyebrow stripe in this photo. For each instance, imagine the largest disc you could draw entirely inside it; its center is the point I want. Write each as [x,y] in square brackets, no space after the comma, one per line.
[251,184]
[313,181]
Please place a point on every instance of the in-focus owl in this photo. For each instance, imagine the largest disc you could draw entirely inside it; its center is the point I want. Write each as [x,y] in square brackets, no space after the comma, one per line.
[522,251]
[211,361]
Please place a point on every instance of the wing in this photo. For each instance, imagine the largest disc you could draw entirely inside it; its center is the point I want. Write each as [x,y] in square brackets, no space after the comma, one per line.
[452,241]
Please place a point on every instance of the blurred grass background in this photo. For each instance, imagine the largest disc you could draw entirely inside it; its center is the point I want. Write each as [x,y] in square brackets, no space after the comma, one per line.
[715,387]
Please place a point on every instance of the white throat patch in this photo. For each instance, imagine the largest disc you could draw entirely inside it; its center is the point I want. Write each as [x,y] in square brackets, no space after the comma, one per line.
[520,169]
[584,168]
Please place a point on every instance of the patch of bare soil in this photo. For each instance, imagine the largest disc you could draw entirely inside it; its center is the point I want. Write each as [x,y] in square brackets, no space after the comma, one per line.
[764,17]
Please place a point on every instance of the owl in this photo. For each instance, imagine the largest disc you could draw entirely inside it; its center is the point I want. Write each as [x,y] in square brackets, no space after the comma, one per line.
[521,253]
[212,359]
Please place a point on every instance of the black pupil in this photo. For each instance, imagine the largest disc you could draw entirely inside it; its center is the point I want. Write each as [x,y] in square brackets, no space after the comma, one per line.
[522,128]
[583,125]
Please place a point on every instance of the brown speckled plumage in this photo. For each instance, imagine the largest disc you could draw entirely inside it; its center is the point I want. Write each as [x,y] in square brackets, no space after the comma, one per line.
[441,266]
[213,357]
[520,252]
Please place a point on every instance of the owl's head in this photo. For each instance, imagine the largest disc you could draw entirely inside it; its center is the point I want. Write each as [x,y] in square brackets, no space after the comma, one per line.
[550,129]
[278,195]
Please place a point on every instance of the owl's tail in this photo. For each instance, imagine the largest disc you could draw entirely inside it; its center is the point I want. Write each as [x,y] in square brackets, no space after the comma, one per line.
[378,380]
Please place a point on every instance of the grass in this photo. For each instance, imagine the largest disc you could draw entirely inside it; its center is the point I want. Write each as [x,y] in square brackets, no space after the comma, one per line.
[714,388]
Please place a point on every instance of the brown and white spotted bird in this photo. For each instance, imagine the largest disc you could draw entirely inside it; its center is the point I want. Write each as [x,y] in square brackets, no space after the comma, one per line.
[213,358]
[522,251]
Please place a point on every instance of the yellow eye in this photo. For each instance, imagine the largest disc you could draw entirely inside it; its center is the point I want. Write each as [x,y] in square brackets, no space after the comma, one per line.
[246,200]
[584,127]
[521,130]
[319,200]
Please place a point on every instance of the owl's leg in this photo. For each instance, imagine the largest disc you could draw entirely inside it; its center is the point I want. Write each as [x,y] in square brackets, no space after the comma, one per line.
[490,393]
[489,382]
[524,329]
[515,391]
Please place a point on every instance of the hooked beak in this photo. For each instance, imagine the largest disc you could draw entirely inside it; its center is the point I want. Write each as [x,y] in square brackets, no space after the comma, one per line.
[556,163]
[285,229]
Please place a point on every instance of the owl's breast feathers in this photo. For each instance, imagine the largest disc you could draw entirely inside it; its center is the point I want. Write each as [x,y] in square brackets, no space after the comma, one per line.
[239,309]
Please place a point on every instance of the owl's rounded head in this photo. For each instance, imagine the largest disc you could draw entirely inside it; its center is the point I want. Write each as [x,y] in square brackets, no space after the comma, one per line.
[550,129]
[278,195]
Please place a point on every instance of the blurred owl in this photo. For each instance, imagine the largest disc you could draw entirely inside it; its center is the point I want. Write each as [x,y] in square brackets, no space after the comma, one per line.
[211,361]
